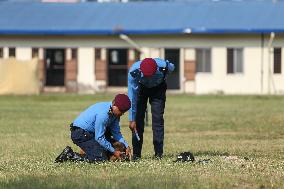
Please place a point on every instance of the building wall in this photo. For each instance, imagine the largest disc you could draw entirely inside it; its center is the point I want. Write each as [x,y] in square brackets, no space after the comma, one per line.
[218,81]
[86,67]
[24,53]
[188,76]
[255,78]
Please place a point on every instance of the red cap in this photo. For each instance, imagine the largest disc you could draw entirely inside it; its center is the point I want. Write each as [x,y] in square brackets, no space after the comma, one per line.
[122,102]
[148,67]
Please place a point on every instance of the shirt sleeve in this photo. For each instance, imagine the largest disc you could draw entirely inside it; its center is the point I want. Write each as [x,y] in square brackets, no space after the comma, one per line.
[115,131]
[132,94]
[171,67]
[100,128]
[164,63]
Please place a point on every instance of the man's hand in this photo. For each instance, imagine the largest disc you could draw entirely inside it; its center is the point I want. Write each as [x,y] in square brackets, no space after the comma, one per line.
[132,126]
[117,154]
[128,153]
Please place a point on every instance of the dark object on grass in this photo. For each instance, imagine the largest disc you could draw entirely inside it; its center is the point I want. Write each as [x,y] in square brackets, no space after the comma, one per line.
[185,157]
[203,161]
[68,154]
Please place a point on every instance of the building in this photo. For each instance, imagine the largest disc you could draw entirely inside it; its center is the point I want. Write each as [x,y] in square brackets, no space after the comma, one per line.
[228,47]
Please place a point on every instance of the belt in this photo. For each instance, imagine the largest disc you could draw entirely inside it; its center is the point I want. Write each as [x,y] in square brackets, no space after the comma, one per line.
[154,87]
[73,128]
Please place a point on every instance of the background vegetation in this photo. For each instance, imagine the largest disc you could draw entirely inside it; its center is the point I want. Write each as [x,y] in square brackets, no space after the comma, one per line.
[243,136]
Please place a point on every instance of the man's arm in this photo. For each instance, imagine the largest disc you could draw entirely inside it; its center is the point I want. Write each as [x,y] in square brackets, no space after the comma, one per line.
[165,64]
[132,94]
[171,67]
[118,137]
[100,129]
[115,131]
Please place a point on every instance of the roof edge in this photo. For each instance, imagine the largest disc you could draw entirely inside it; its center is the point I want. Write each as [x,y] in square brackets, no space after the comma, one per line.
[140,32]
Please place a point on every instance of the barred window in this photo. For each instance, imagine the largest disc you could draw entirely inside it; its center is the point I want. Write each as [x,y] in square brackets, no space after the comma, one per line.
[35,52]
[203,60]
[97,54]
[234,60]
[277,61]
[74,54]
[12,52]
[136,55]
[1,52]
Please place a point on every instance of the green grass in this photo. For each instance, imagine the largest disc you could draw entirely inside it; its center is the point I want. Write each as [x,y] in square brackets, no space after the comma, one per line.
[242,135]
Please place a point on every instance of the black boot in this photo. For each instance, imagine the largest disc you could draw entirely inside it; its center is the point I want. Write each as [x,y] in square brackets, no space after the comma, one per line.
[65,155]
[77,157]
[158,148]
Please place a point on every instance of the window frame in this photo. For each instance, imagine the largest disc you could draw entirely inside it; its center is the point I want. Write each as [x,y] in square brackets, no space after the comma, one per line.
[277,61]
[232,67]
[74,53]
[10,50]
[35,52]
[98,53]
[1,52]
[203,61]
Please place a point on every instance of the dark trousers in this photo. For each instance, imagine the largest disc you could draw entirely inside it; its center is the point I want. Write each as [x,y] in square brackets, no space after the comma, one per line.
[86,141]
[157,99]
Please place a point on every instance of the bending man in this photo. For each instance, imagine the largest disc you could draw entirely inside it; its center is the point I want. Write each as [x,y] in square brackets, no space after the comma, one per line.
[147,80]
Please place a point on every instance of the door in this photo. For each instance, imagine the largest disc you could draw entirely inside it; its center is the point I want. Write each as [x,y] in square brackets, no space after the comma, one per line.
[173,80]
[117,67]
[54,62]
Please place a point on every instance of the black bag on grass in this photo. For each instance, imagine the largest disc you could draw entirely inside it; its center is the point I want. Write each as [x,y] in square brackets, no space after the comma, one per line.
[185,157]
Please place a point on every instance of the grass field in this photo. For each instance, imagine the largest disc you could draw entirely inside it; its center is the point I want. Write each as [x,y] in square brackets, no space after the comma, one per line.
[242,135]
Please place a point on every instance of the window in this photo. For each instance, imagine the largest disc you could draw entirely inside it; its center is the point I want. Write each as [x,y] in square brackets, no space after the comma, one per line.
[277,61]
[12,52]
[203,60]
[234,60]
[34,52]
[1,53]
[98,54]
[136,55]
[74,54]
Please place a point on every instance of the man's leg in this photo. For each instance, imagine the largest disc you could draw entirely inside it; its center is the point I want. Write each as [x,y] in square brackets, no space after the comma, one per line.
[140,116]
[157,101]
[86,141]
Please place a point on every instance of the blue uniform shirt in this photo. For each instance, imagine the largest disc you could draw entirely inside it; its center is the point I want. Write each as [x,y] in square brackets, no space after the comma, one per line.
[96,119]
[149,82]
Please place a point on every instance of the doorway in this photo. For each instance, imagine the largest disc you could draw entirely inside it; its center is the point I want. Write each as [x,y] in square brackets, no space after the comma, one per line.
[117,67]
[173,79]
[55,67]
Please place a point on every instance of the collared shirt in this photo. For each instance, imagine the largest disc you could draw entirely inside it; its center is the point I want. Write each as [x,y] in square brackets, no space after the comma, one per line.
[149,82]
[96,119]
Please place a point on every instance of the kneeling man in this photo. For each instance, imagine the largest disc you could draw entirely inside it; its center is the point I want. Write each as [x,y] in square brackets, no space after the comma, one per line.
[93,130]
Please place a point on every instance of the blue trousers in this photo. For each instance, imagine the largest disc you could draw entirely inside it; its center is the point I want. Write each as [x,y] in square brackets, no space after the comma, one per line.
[157,99]
[86,141]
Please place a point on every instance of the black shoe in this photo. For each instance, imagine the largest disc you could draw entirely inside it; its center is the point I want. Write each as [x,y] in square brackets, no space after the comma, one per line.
[158,156]
[76,157]
[66,154]
[135,157]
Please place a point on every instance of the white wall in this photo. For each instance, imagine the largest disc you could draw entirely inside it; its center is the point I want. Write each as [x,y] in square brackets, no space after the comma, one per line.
[251,81]
[218,81]
[151,53]
[23,53]
[5,52]
[86,70]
